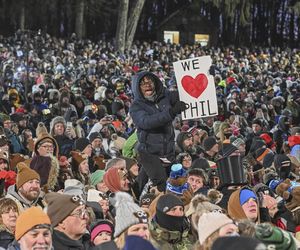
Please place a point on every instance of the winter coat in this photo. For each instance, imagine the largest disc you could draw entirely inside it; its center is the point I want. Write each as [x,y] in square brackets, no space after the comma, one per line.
[153,119]
[13,246]
[128,149]
[164,239]
[65,144]
[21,203]
[62,241]
[6,237]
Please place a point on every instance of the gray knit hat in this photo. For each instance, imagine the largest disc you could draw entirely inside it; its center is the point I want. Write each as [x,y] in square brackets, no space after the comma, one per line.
[127,213]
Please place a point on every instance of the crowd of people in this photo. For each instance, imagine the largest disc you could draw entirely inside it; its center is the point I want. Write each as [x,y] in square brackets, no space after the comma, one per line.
[94,153]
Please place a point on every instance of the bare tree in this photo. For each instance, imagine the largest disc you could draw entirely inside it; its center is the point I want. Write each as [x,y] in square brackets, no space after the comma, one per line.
[133,21]
[122,24]
[79,24]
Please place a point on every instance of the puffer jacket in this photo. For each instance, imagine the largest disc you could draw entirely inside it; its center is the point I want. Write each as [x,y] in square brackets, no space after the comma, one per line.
[164,239]
[153,119]
[6,237]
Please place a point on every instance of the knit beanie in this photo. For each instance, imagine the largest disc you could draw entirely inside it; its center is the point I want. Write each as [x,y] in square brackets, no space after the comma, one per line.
[201,163]
[112,178]
[81,144]
[60,206]
[95,135]
[209,223]
[295,130]
[209,142]
[127,213]
[274,237]
[147,199]
[241,242]
[97,177]
[167,201]
[25,174]
[245,195]
[177,182]
[164,204]
[74,187]
[134,242]
[101,226]
[30,218]
[282,163]
[268,160]
[3,140]
[227,149]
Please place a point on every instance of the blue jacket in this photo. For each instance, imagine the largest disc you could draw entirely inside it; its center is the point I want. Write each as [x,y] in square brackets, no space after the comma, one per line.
[153,119]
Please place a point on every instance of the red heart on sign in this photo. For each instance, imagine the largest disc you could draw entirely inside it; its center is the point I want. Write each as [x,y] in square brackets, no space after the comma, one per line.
[194,87]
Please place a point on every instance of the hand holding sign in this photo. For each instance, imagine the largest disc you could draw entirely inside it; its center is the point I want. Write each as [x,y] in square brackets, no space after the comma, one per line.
[196,87]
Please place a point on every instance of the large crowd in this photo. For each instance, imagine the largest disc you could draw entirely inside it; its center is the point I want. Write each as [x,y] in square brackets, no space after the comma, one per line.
[94,153]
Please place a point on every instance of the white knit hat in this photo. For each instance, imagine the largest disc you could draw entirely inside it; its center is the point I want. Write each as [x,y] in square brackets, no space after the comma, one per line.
[209,223]
[127,213]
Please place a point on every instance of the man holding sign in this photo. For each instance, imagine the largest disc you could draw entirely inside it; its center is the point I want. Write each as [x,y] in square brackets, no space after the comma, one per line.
[153,110]
[196,87]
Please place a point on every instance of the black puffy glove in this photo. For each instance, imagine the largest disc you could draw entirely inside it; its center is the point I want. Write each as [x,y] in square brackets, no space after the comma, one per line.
[212,70]
[178,108]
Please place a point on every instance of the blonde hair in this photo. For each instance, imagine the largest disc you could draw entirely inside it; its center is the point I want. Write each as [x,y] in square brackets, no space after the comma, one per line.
[121,239]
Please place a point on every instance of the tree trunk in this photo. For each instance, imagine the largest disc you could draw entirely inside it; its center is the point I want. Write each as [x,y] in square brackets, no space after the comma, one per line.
[133,21]
[80,4]
[122,24]
[22,16]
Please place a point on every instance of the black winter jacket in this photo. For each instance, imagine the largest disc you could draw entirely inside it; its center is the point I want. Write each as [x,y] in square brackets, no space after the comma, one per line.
[153,119]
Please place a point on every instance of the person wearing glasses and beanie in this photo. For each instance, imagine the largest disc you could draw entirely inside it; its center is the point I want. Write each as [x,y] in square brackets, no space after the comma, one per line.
[69,219]
[33,231]
[44,161]
[152,111]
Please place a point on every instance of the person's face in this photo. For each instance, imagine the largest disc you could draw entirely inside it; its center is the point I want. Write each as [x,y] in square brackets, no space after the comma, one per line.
[101,186]
[102,237]
[97,143]
[104,203]
[256,128]
[37,239]
[3,165]
[176,211]
[214,181]
[187,162]
[140,230]
[250,209]
[195,182]
[5,148]
[147,86]
[59,129]
[7,124]
[88,150]
[46,149]
[134,170]
[215,148]
[124,184]
[188,143]
[84,167]
[30,189]
[22,123]
[228,230]
[242,149]
[9,217]
[78,217]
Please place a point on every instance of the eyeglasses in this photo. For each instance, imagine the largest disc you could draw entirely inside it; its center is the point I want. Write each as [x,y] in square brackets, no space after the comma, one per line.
[47,146]
[146,81]
[80,213]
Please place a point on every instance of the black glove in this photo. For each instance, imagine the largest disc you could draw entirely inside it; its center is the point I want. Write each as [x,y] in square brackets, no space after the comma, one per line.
[178,108]
[212,70]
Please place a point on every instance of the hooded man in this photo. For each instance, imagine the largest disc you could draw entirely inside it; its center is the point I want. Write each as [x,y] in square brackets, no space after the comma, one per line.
[152,111]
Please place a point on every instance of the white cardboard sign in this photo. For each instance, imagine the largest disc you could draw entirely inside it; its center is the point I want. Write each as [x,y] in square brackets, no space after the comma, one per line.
[196,87]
